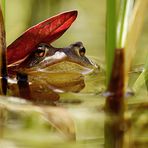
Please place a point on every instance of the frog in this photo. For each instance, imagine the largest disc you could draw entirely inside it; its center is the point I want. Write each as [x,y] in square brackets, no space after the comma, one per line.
[52,70]
[48,58]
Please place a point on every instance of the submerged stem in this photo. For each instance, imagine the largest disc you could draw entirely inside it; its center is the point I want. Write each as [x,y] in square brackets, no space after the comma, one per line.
[23,85]
[114,133]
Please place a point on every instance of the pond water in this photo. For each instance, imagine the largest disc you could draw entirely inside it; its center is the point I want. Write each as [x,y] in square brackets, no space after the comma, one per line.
[71,122]
[75,120]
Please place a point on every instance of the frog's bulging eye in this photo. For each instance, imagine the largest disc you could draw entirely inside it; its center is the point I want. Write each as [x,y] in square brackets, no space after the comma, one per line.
[37,55]
[82,51]
[41,51]
[79,48]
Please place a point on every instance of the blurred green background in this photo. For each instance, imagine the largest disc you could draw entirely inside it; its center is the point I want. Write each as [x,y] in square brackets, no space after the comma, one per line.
[88,28]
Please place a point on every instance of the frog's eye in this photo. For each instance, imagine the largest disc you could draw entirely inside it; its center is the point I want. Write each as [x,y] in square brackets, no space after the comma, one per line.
[41,51]
[82,51]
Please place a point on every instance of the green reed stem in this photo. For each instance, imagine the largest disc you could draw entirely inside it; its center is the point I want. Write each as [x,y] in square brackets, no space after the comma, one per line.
[136,24]
[125,11]
[115,105]
[110,36]
[3,6]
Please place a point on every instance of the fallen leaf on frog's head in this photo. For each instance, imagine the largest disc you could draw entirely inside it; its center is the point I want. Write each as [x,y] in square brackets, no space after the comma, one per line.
[44,32]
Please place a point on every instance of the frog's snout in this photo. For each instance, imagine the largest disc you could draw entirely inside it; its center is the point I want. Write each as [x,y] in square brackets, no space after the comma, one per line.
[94,64]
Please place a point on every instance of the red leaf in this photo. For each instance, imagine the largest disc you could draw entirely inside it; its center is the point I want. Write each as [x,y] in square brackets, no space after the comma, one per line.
[44,32]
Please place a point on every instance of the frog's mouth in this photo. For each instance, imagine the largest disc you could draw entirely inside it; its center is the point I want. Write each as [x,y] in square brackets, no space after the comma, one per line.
[60,62]
[66,67]
[57,63]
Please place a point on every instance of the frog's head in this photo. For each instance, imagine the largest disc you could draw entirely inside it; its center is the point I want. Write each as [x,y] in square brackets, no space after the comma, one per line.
[68,59]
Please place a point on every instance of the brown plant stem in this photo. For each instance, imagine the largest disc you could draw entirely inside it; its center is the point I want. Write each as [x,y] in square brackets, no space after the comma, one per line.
[3,64]
[23,85]
[114,131]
